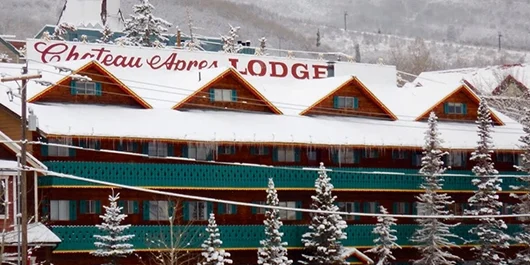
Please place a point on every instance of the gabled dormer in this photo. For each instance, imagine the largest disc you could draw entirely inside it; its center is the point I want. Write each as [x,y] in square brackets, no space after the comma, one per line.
[227,90]
[510,87]
[460,105]
[102,88]
[351,98]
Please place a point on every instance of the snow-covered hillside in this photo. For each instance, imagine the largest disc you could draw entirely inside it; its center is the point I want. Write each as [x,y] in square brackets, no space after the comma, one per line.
[383,28]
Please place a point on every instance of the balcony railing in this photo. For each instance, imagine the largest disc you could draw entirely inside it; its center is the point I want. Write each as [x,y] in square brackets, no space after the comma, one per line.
[77,238]
[227,176]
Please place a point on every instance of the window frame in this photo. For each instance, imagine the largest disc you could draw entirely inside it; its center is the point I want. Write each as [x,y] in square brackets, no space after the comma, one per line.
[285,154]
[194,149]
[312,155]
[59,151]
[223,95]
[62,209]
[372,205]
[347,156]
[452,108]
[285,214]
[91,207]
[197,210]
[162,211]
[128,207]
[346,102]
[157,149]
[4,197]
[84,90]
[349,207]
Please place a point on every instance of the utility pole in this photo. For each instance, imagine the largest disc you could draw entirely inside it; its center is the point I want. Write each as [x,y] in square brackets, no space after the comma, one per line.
[23,155]
[345,15]
[500,36]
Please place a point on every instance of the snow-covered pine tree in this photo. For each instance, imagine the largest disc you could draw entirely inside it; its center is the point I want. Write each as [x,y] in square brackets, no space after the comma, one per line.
[523,207]
[485,201]
[212,253]
[262,49]
[230,41]
[142,28]
[433,235]
[322,244]
[61,30]
[273,251]
[113,243]
[385,240]
[106,35]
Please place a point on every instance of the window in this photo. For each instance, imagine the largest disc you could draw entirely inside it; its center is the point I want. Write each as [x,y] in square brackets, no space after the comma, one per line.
[455,108]
[346,102]
[224,95]
[401,207]
[223,208]
[400,154]
[59,151]
[457,159]
[4,197]
[85,88]
[371,153]
[312,155]
[371,207]
[256,210]
[59,210]
[416,159]
[287,215]
[286,155]
[507,208]
[128,207]
[198,210]
[157,149]
[158,210]
[260,150]
[90,143]
[198,152]
[345,157]
[458,208]
[349,207]
[506,158]
[226,150]
[89,207]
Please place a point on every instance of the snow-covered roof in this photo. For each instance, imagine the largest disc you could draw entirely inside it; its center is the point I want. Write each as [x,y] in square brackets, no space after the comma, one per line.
[38,233]
[351,251]
[483,79]
[164,89]
[8,165]
[237,127]
[32,161]
[87,14]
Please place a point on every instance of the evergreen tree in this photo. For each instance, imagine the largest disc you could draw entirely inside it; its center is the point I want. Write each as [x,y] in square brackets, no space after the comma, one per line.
[385,240]
[523,207]
[433,234]
[106,35]
[318,38]
[357,53]
[485,200]
[230,41]
[273,251]
[113,244]
[212,253]
[143,27]
[322,244]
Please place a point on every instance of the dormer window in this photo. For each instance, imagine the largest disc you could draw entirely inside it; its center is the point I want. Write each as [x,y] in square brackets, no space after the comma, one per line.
[223,95]
[85,88]
[455,108]
[340,102]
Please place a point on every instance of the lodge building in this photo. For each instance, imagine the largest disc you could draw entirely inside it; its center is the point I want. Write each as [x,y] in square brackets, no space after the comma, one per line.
[188,132]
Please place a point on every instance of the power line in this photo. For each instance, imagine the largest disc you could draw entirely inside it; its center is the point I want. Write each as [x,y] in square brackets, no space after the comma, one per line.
[254,164]
[209,199]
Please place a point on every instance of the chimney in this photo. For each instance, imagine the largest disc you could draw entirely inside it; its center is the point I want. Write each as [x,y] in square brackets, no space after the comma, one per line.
[248,43]
[240,42]
[331,68]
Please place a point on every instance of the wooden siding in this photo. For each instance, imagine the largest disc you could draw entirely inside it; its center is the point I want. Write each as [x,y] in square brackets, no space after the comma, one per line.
[112,93]
[459,97]
[384,158]
[367,106]
[246,100]
[6,154]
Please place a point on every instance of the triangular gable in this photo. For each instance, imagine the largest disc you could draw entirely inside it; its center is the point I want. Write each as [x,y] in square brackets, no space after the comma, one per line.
[230,72]
[9,46]
[104,72]
[381,109]
[472,96]
[499,90]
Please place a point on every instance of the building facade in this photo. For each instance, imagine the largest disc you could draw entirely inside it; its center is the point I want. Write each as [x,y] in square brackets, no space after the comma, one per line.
[222,133]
